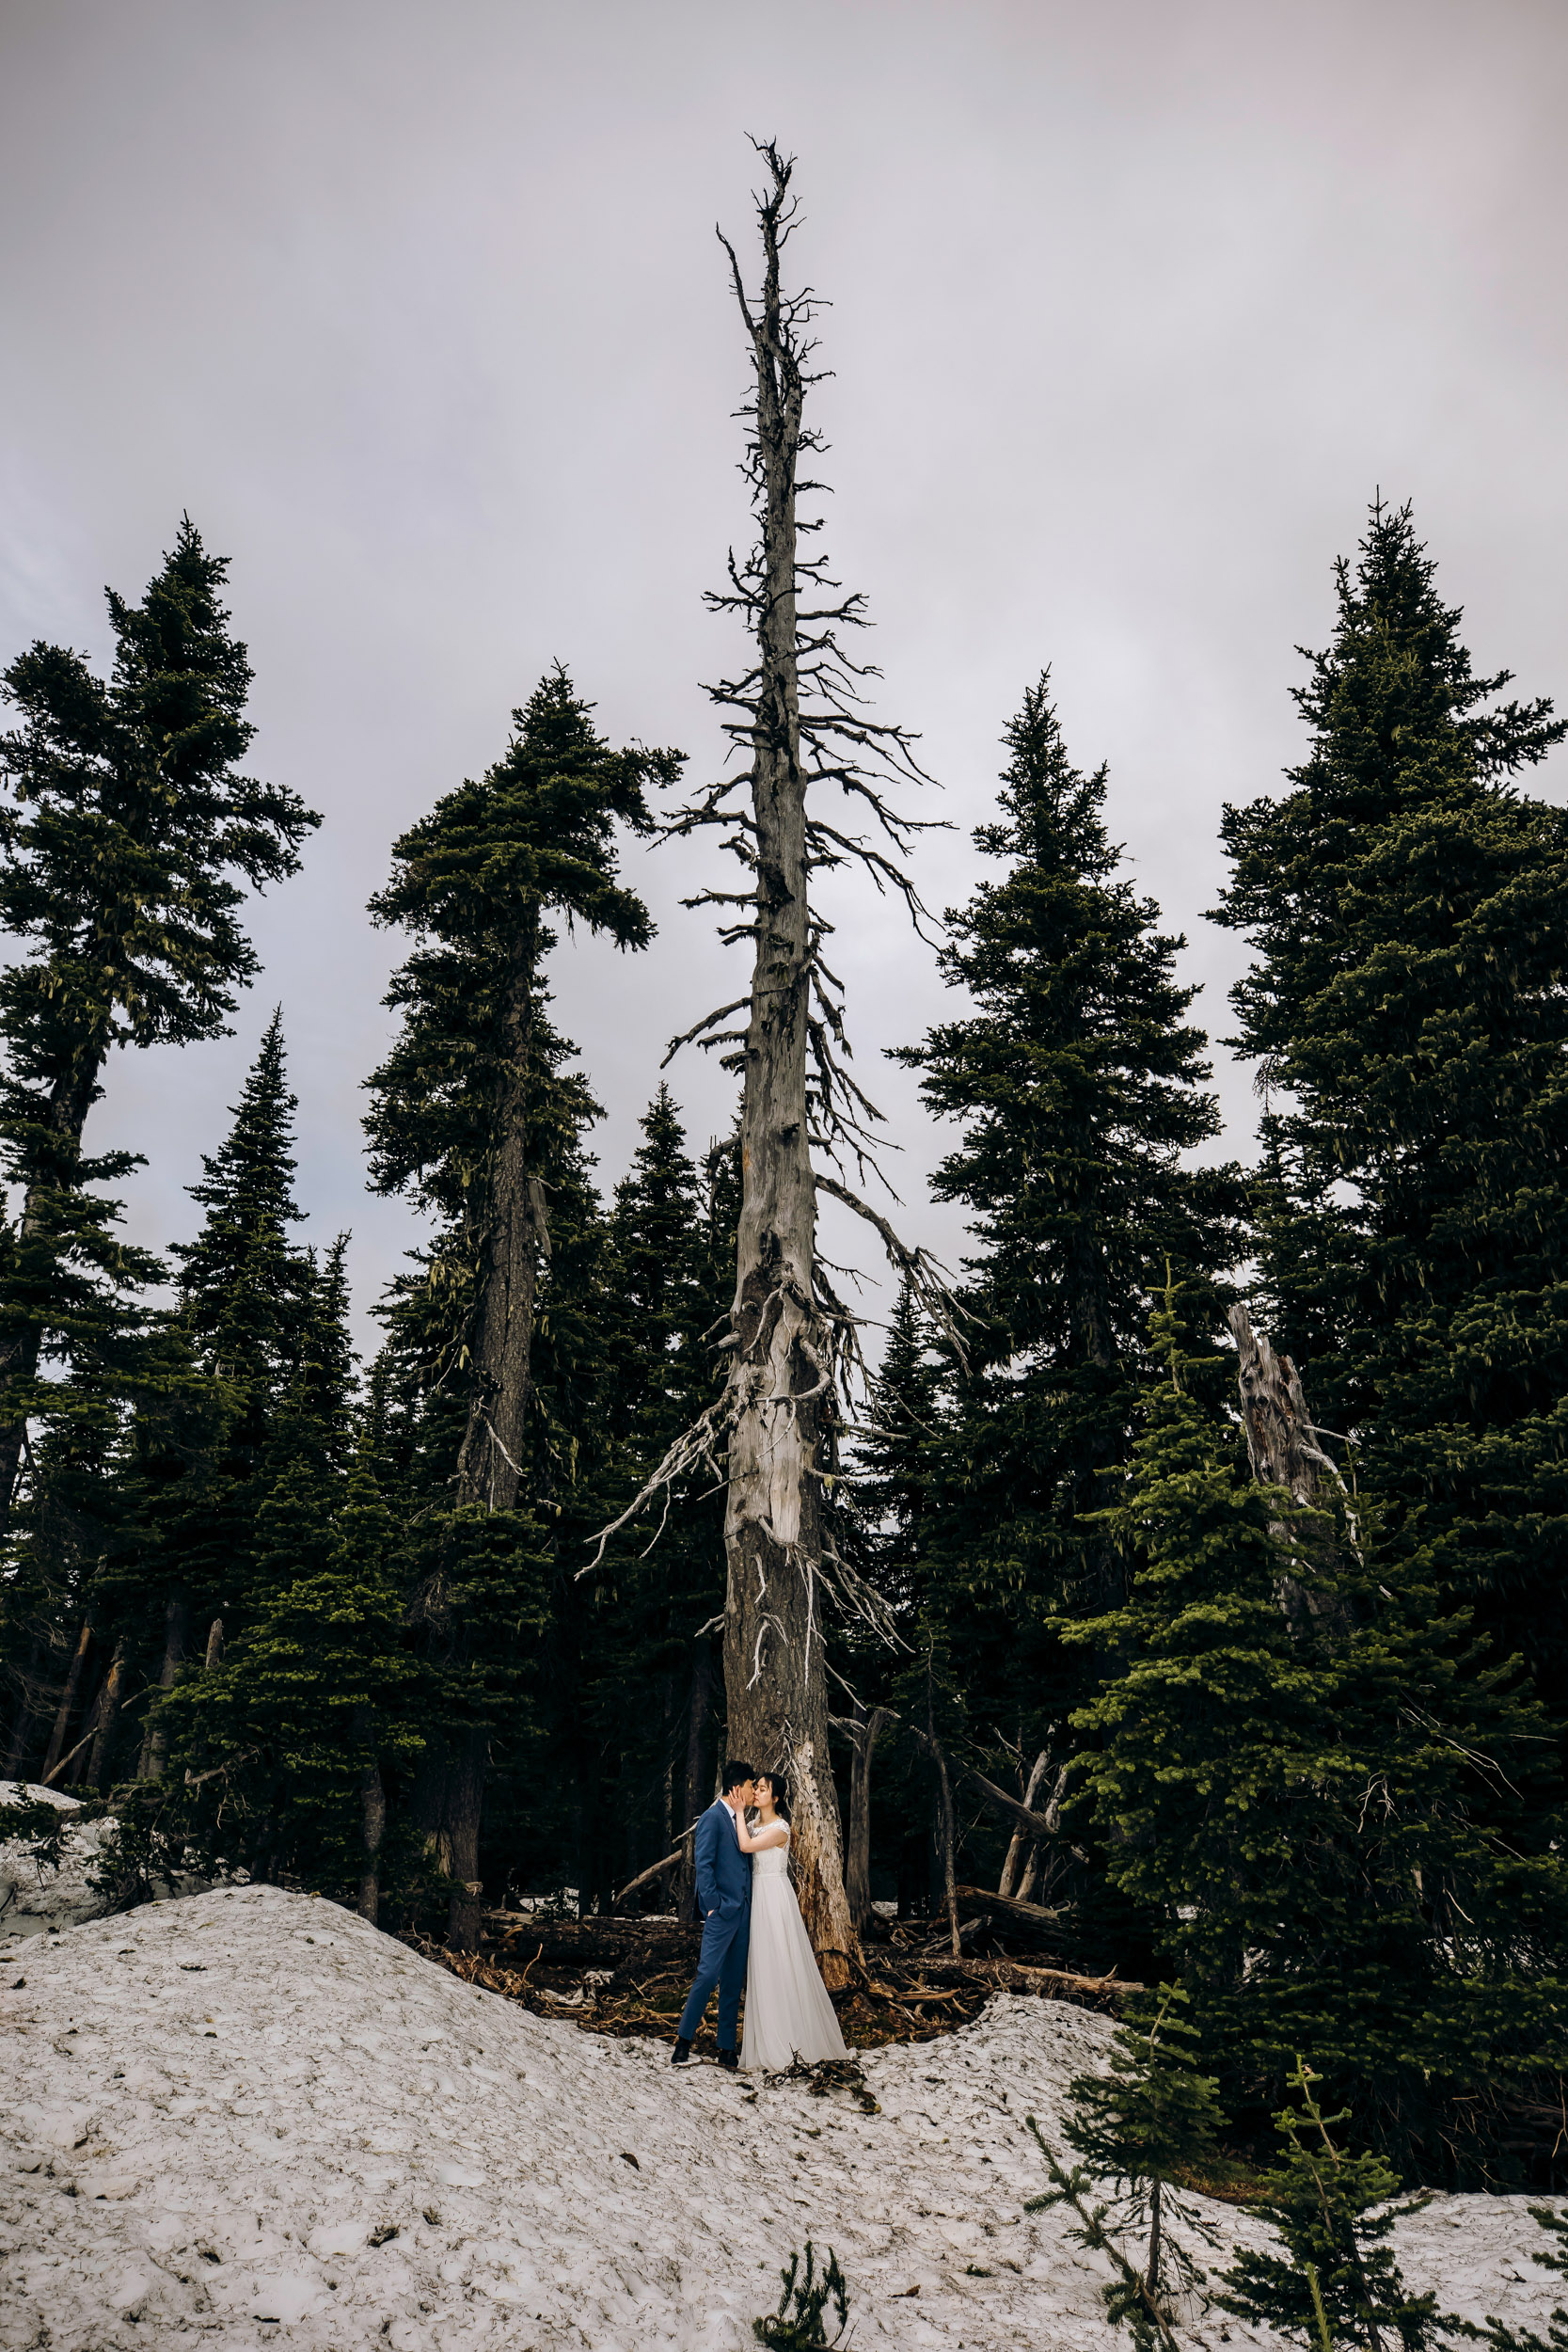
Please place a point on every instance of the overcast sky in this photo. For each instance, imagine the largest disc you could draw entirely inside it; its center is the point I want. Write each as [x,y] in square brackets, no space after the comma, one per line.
[419,312]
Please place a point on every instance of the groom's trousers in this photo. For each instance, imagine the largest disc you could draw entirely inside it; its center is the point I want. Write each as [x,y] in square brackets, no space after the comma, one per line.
[722,1963]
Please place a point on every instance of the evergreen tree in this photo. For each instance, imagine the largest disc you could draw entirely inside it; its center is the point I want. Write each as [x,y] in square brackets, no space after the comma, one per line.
[203,1448]
[1332,1812]
[475,1115]
[1554,2256]
[1341,2286]
[646,1616]
[1146,2121]
[1078,1086]
[121,869]
[1408,908]
[241,1279]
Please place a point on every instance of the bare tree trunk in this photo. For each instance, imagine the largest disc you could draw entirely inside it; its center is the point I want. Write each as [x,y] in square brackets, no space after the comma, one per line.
[1022,1844]
[68,1701]
[28,1712]
[214,1646]
[489,1467]
[108,1717]
[693,1788]
[1284,1449]
[774,1680]
[947,1837]
[795,714]
[465,1806]
[373,1829]
[154,1746]
[1152,2273]
[864,1730]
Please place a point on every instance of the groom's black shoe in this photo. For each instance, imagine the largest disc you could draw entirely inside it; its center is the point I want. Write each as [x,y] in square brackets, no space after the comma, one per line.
[729,2059]
[681,2052]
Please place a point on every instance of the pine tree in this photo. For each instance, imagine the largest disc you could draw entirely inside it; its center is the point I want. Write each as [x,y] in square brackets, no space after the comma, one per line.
[121,869]
[203,1448]
[1078,1086]
[1408,906]
[475,1115]
[1146,2121]
[1333,1811]
[241,1279]
[1341,2286]
[647,1619]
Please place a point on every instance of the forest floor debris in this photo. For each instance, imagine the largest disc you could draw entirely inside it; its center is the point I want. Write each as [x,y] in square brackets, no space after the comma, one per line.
[247,2117]
[630,1977]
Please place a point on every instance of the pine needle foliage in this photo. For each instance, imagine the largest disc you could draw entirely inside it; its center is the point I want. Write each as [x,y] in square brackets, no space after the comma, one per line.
[1080,1088]
[1554,2256]
[798,2324]
[1340,2286]
[1407,904]
[1145,2123]
[124,860]
[1329,1806]
[1129,2302]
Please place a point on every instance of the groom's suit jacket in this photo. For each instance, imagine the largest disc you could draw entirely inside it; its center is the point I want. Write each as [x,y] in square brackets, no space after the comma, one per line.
[723,1872]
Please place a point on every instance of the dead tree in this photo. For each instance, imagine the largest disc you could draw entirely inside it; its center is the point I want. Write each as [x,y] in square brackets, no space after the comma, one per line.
[863,1730]
[1021,1864]
[1285,1447]
[797,721]
[154,1746]
[110,1700]
[68,1703]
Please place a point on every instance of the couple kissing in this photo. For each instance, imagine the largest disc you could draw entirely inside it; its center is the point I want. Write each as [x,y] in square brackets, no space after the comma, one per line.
[753,1934]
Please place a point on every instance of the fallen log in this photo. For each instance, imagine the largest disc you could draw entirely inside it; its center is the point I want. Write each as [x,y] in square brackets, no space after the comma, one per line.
[1017,1976]
[1033,1914]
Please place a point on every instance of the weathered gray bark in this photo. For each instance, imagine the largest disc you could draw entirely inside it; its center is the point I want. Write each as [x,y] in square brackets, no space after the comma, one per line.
[1023,1846]
[214,1646]
[67,1702]
[489,1467]
[1038,1829]
[795,717]
[864,1730]
[1286,1451]
[109,1700]
[774,1680]
[154,1746]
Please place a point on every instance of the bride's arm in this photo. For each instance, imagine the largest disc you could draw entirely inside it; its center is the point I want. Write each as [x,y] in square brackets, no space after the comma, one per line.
[775,1835]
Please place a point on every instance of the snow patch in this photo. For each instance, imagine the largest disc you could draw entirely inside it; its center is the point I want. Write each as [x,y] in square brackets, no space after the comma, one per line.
[33,1897]
[247,2118]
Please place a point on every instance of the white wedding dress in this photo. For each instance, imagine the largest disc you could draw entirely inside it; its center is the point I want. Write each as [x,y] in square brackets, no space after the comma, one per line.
[788,2014]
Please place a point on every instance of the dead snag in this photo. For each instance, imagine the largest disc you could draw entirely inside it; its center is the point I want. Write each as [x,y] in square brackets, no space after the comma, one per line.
[796,720]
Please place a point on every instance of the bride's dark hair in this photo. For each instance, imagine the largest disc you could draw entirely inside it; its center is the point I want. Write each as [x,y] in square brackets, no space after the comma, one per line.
[779,1784]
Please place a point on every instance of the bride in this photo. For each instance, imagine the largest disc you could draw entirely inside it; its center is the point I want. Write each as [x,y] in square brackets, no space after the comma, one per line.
[788,2014]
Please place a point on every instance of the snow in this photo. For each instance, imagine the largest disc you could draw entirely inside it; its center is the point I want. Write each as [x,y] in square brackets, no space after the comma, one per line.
[34,1899]
[246,2117]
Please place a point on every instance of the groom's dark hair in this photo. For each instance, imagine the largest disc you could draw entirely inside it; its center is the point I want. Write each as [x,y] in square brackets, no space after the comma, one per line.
[735,1773]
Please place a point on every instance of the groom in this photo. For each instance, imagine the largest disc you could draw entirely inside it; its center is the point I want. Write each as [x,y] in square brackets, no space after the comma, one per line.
[724,1900]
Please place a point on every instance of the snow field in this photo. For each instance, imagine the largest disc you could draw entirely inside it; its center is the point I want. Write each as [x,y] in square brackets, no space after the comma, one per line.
[246,2118]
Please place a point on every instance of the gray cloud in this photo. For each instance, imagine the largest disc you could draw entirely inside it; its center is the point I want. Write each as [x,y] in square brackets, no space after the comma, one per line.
[419,312]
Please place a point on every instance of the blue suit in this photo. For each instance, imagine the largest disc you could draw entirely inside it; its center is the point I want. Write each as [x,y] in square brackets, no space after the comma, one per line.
[724,1900]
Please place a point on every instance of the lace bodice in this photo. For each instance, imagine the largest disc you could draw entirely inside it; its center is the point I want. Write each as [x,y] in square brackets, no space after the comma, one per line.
[773,1860]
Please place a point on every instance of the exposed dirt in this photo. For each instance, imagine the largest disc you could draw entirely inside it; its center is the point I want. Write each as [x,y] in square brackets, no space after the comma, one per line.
[629,1976]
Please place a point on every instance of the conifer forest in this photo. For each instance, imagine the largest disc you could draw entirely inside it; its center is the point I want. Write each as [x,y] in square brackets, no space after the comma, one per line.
[1174,1582]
